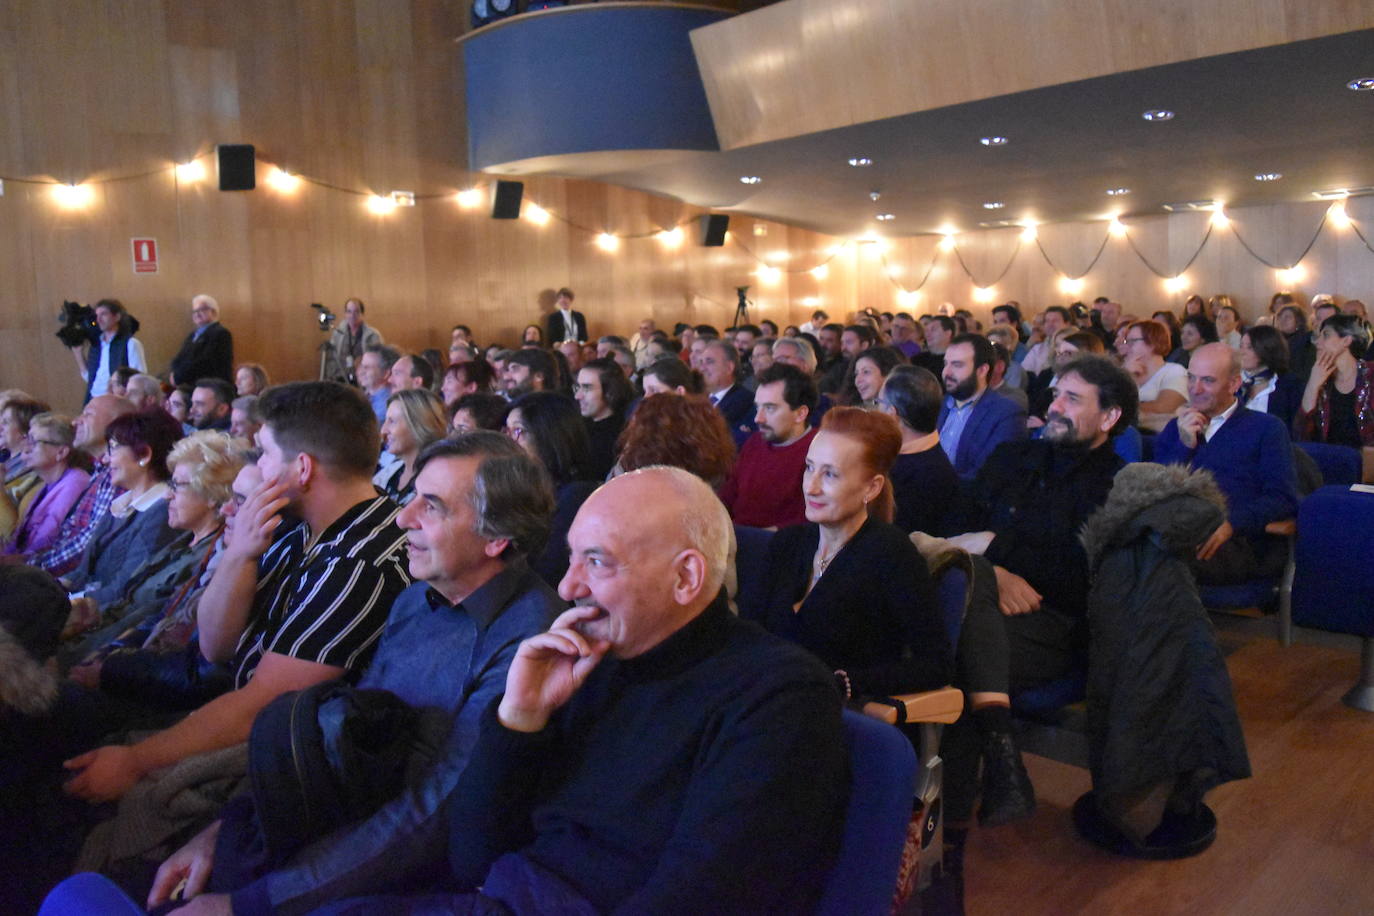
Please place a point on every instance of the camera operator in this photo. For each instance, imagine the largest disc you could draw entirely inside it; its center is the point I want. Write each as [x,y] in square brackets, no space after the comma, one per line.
[348,342]
[112,346]
[208,351]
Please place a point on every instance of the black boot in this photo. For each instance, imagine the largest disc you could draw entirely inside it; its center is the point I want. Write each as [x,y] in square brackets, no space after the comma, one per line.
[1007,792]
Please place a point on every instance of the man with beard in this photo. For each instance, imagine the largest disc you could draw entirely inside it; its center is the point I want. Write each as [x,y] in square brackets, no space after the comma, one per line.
[765,488]
[974,420]
[211,404]
[528,370]
[1028,504]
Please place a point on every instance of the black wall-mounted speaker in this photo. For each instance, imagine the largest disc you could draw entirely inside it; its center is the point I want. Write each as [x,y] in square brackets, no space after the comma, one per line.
[713,227]
[505,203]
[237,167]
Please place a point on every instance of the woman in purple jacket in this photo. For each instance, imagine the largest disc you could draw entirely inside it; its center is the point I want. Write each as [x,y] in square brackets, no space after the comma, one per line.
[48,452]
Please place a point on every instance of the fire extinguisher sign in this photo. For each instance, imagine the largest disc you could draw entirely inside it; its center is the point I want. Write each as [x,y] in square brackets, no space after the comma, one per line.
[145,255]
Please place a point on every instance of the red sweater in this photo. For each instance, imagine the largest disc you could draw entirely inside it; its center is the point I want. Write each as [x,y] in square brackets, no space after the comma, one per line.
[765,489]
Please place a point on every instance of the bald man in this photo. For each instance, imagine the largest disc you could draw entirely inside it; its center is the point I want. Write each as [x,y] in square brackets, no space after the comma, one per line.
[645,754]
[1250,455]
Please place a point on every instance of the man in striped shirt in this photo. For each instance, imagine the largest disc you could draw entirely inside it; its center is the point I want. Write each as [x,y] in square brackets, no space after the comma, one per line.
[284,611]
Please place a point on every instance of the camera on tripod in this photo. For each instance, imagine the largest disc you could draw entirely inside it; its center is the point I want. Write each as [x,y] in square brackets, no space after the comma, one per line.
[325,317]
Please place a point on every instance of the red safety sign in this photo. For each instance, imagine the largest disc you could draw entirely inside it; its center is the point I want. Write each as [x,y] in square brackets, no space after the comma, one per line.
[145,256]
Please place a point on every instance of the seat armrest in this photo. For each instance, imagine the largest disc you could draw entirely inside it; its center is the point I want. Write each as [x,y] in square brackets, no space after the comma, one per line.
[1284,527]
[943,705]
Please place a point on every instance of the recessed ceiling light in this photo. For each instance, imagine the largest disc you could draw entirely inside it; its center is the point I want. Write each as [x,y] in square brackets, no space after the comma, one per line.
[1268,176]
[1158,114]
[885,217]
[750,179]
[993,205]
[860,162]
[1364,84]
[1118,192]
[994,141]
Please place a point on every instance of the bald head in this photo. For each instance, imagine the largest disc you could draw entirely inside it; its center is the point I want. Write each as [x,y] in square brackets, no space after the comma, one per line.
[1213,377]
[1218,358]
[95,417]
[649,549]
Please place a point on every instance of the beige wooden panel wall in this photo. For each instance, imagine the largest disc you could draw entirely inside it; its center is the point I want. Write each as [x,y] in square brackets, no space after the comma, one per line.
[804,66]
[365,94]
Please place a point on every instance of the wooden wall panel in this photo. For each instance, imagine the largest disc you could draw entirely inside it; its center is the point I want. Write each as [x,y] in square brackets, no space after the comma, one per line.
[363,94]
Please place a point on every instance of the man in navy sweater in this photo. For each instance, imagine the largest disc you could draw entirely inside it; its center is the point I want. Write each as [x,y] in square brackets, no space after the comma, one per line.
[1250,455]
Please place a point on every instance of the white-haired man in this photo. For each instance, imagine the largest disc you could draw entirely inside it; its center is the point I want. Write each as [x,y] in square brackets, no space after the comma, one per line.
[208,351]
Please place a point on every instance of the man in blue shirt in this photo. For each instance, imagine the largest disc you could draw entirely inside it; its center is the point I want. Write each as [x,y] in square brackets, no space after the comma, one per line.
[974,420]
[481,507]
[1250,455]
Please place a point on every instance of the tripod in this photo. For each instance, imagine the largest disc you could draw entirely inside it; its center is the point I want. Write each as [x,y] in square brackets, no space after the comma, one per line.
[741,308]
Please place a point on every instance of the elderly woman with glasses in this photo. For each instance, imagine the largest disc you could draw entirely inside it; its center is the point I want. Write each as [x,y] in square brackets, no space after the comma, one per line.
[48,453]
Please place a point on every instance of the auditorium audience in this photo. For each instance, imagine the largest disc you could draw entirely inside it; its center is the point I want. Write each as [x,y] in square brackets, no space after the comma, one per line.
[212,404]
[47,453]
[135,527]
[549,427]
[1266,384]
[1229,325]
[468,377]
[482,507]
[80,523]
[1040,356]
[765,488]
[410,373]
[348,341]
[1164,385]
[1023,515]
[603,393]
[1250,455]
[1193,332]
[144,392]
[178,405]
[208,351]
[1067,344]
[997,379]
[243,418]
[1338,404]
[719,367]
[880,634]
[682,431]
[924,483]
[871,366]
[1291,321]
[414,420]
[529,370]
[20,479]
[671,376]
[478,411]
[291,611]
[251,379]
[374,371]
[973,420]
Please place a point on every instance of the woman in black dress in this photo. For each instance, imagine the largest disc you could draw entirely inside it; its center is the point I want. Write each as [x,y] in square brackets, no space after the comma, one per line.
[848,585]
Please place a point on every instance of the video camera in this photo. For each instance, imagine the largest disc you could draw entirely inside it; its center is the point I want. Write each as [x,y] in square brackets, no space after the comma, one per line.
[78,324]
[325,316]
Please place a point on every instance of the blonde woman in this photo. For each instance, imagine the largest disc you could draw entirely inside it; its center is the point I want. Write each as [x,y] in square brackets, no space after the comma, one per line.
[414,419]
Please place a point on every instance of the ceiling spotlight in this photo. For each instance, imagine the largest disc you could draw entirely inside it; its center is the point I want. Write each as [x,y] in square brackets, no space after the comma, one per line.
[861,162]
[885,217]
[1158,114]
[875,195]
[993,205]
[994,141]
[750,179]
[1364,84]
[1268,176]
[1118,192]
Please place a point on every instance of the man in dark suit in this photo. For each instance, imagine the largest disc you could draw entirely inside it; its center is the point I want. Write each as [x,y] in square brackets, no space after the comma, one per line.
[564,323]
[974,420]
[720,369]
[208,351]
[1250,455]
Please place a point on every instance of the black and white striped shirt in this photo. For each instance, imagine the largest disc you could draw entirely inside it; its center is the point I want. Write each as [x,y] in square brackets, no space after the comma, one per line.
[327,602]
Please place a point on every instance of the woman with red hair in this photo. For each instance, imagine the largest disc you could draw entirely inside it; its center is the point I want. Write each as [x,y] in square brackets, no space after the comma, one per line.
[848,585]
[683,431]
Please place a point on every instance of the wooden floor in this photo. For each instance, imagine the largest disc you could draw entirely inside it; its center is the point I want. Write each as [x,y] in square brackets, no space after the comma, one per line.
[1295,838]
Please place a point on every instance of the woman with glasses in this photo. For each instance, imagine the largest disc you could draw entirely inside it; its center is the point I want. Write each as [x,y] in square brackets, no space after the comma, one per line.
[415,418]
[135,528]
[203,469]
[48,453]
[1163,385]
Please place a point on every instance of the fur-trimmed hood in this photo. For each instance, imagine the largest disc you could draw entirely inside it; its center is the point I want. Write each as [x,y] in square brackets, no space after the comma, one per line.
[26,686]
[1182,506]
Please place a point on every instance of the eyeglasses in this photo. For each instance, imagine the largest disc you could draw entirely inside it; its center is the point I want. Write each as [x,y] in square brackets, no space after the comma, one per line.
[1131,340]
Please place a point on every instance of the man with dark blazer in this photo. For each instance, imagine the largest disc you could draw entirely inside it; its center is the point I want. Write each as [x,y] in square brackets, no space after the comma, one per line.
[564,323]
[720,371]
[974,420]
[208,351]
[1250,455]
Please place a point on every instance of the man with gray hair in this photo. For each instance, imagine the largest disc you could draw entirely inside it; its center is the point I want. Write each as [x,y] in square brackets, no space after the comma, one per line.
[244,421]
[644,755]
[795,352]
[144,392]
[208,351]
[482,506]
